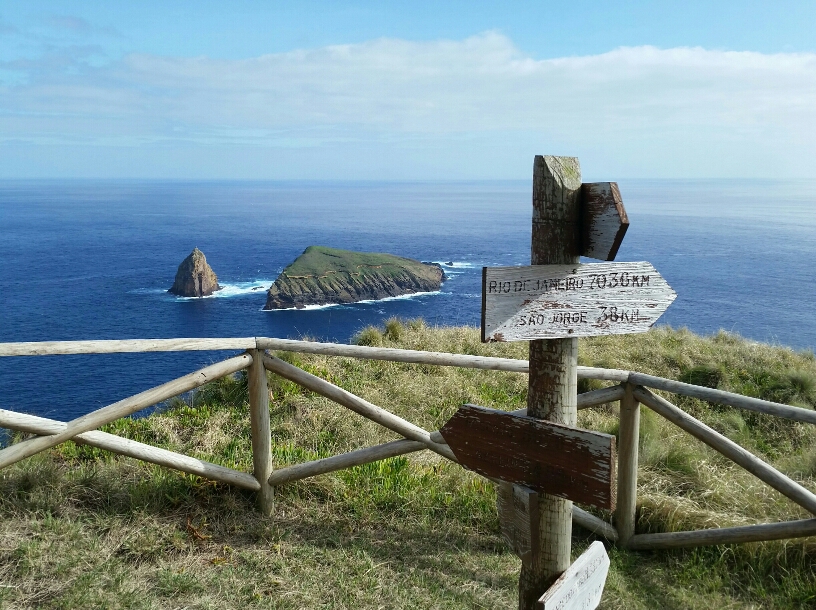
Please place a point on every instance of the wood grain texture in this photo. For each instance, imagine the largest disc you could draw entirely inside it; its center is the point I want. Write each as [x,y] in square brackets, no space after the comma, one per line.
[356,404]
[125,407]
[261,431]
[560,460]
[582,585]
[518,518]
[344,460]
[604,220]
[116,346]
[737,454]
[725,535]
[394,355]
[134,449]
[552,301]
[629,435]
[590,399]
[725,398]
[552,385]
[593,524]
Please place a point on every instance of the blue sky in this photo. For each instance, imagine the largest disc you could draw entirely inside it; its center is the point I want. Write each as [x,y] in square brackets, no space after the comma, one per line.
[419,90]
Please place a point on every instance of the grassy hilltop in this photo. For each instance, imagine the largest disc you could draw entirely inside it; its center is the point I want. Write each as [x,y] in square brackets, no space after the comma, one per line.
[80,528]
[324,275]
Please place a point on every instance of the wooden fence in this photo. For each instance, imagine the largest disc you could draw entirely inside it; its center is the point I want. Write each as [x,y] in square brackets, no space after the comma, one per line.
[630,388]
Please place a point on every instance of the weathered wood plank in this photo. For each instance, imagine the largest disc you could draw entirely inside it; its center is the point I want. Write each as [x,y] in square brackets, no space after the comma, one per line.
[117,346]
[394,355]
[724,535]
[590,399]
[581,586]
[123,408]
[552,384]
[560,460]
[604,220]
[123,446]
[518,518]
[734,452]
[344,460]
[594,524]
[627,465]
[356,404]
[552,301]
[725,398]
[261,431]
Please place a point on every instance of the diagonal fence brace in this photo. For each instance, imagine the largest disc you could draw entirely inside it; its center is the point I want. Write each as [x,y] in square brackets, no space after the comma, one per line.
[91,421]
[358,405]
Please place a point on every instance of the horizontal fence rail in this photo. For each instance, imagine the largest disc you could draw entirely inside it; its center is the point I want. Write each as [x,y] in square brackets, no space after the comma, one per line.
[630,389]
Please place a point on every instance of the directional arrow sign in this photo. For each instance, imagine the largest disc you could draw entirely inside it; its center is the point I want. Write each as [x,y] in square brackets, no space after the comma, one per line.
[556,301]
[575,464]
[604,220]
[580,587]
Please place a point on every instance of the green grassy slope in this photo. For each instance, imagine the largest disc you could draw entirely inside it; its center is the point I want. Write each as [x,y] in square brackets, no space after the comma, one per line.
[80,528]
[318,261]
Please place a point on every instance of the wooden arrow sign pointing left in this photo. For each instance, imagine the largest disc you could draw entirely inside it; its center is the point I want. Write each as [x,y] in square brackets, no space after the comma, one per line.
[575,464]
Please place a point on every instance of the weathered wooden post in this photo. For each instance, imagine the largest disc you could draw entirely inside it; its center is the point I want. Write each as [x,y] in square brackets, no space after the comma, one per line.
[552,390]
[545,462]
[627,466]
[261,432]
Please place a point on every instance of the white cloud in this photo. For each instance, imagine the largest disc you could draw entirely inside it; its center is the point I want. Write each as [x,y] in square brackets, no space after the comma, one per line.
[645,111]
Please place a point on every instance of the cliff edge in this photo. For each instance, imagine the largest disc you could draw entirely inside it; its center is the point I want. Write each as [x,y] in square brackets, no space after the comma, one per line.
[195,278]
[322,276]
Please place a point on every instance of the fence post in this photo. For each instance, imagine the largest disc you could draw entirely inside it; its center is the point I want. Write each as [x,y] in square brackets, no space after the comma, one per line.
[627,466]
[261,432]
[553,378]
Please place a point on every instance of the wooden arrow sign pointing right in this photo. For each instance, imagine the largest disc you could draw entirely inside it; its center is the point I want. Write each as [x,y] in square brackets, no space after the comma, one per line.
[603,219]
[554,301]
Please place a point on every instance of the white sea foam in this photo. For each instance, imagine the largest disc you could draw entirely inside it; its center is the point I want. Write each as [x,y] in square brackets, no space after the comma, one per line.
[402,297]
[454,264]
[232,289]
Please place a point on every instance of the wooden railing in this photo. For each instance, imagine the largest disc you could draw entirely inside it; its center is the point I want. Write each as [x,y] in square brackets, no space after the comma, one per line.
[630,388]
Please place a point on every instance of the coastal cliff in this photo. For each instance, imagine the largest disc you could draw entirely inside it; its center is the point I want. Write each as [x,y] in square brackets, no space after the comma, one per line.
[195,278]
[322,276]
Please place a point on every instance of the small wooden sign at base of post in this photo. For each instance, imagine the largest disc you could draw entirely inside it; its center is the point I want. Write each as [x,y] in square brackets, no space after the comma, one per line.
[581,586]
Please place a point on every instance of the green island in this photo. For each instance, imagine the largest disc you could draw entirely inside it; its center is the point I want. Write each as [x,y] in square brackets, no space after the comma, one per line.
[82,528]
[322,276]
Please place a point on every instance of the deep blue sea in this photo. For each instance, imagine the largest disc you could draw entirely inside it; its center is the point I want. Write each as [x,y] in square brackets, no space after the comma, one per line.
[94,259]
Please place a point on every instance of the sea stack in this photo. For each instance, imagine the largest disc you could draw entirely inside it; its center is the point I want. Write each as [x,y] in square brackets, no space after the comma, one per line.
[195,278]
[323,276]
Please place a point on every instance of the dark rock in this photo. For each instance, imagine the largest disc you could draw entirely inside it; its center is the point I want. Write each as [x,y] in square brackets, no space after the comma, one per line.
[195,278]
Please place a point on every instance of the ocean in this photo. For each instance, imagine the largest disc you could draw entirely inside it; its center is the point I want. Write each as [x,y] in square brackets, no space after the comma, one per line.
[94,259]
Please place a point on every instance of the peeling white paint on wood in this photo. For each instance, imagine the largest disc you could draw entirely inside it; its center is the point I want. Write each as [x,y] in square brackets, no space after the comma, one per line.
[560,460]
[582,585]
[559,301]
[604,220]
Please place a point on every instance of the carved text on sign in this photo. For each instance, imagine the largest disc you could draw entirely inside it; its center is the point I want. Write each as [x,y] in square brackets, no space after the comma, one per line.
[552,301]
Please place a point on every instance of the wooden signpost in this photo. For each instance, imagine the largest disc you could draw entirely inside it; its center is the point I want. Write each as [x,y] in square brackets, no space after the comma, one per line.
[580,587]
[560,460]
[542,460]
[553,301]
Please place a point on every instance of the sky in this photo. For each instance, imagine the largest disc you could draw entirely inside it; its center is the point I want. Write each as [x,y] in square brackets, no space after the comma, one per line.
[406,91]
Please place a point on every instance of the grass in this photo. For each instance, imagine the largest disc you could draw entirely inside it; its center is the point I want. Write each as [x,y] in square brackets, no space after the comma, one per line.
[81,528]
